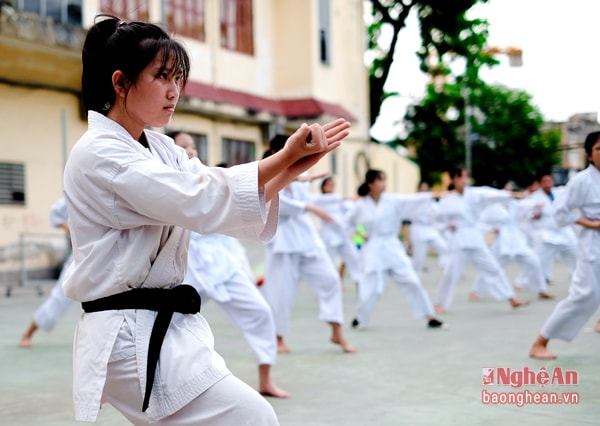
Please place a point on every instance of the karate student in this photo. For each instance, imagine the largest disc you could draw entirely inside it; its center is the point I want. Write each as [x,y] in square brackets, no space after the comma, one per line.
[334,234]
[580,204]
[133,197]
[424,235]
[459,214]
[54,307]
[549,239]
[219,269]
[510,245]
[297,252]
[382,255]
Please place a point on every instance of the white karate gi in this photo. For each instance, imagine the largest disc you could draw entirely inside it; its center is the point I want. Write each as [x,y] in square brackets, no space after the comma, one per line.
[130,209]
[581,198]
[297,252]
[424,235]
[219,269]
[54,307]
[334,234]
[549,239]
[466,243]
[510,244]
[383,254]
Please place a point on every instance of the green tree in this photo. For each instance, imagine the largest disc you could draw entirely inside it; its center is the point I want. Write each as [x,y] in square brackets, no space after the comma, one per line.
[444,28]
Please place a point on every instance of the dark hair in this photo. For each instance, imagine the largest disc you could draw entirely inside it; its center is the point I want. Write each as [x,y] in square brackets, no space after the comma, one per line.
[456,171]
[371,176]
[112,44]
[590,141]
[174,133]
[276,143]
[324,181]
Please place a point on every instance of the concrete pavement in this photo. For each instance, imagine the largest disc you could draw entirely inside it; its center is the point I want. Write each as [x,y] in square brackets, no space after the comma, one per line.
[402,374]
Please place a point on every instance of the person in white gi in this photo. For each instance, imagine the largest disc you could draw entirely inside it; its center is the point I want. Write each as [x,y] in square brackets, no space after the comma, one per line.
[133,197]
[382,255]
[510,245]
[549,239]
[459,214]
[424,235]
[334,234]
[297,252]
[218,267]
[54,307]
[579,203]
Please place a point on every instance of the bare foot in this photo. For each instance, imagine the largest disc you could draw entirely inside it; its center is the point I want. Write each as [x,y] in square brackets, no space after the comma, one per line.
[517,287]
[346,347]
[473,297]
[282,348]
[270,389]
[517,303]
[545,296]
[440,309]
[25,342]
[539,351]
[597,328]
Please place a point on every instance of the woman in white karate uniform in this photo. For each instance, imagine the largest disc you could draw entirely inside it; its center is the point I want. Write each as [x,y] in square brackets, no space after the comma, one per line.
[424,235]
[334,233]
[133,197]
[549,239]
[459,213]
[578,204]
[297,252]
[218,267]
[54,307]
[382,255]
[510,245]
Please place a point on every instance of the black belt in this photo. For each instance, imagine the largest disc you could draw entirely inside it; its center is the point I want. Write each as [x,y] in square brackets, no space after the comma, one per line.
[183,299]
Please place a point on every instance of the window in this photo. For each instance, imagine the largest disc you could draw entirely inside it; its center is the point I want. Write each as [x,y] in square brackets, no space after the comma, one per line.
[237,26]
[128,10]
[186,18]
[63,11]
[237,151]
[324,30]
[12,184]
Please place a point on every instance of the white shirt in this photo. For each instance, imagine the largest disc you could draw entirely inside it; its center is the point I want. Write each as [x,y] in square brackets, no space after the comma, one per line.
[545,229]
[463,212]
[333,233]
[505,218]
[581,197]
[382,222]
[130,212]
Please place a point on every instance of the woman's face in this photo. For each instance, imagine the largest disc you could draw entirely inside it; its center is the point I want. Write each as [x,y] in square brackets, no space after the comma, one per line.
[594,157]
[328,186]
[460,182]
[152,98]
[378,185]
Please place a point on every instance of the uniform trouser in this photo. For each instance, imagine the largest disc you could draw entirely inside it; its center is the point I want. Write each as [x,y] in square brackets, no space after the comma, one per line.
[372,284]
[349,255]
[532,274]
[249,312]
[229,402]
[54,307]
[283,272]
[546,252]
[570,314]
[419,251]
[485,264]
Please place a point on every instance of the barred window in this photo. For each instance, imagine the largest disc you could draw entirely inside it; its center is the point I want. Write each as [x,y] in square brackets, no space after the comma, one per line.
[237,26]
[63,11]
[12,184]
[237,151]
[128,10]
[186,18]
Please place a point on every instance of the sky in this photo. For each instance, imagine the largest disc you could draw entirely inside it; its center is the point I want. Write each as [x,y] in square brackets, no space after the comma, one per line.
[561,59]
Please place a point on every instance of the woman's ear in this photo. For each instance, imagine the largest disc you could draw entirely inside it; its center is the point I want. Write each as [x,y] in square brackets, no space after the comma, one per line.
[119,83]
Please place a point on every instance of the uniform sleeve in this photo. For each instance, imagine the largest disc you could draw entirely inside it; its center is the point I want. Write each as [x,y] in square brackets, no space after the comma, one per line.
[567,201]
[411,206]
[58,213]
[289,207]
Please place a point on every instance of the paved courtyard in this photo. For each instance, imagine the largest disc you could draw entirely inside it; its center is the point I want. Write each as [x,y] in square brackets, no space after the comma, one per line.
[402,374]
